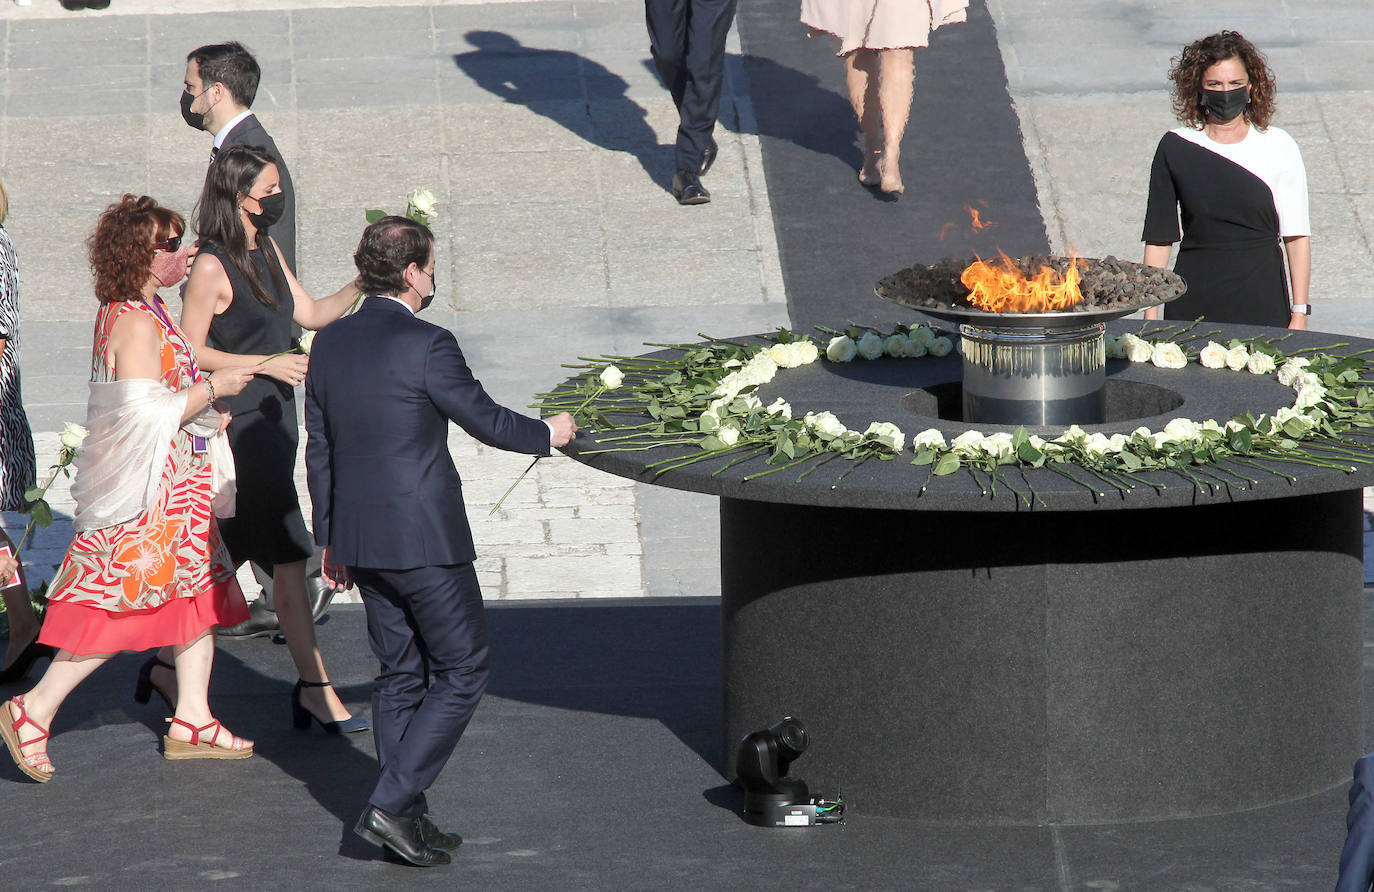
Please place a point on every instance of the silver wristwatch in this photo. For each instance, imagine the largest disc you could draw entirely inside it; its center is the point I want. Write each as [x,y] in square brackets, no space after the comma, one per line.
[1304,309]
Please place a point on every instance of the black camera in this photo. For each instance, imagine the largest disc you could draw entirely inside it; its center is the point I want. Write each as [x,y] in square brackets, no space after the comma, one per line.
[771,798]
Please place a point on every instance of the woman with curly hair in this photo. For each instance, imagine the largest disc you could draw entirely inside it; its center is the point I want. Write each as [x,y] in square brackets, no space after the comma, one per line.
[146,568]
[1241,188]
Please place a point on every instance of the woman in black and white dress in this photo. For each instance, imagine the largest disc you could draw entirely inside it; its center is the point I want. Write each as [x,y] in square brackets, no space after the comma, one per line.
[17,466]
[1239,186]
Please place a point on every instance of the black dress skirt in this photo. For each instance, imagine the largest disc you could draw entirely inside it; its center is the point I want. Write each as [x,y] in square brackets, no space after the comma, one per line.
[268,527]
[1230,255]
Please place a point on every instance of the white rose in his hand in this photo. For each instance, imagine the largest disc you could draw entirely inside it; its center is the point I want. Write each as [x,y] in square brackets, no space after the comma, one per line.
[1168,355]
[73,435]
[1213,356]
[870,345]
[1260,364]
[306,340]
[611,377]
[423,201]
[1237,357]
[841,349]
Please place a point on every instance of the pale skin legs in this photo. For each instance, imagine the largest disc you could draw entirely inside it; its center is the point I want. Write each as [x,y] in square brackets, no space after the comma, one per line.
[293,613]
[193,662]
[881,90]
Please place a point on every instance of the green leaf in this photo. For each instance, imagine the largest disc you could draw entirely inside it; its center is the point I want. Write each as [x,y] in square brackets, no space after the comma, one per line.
[712,443]
[374,215]
[41,513]
[1241,440]
[1019,436]
[1026,451]
[34,493]
[1294,428]
[948,464]
[924,456]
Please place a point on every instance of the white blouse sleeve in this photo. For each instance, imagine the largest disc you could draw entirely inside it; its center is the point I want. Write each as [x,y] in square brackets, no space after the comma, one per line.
[1290,192]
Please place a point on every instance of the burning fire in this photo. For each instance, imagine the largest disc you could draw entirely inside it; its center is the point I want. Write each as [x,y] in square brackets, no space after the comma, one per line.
[1001,287]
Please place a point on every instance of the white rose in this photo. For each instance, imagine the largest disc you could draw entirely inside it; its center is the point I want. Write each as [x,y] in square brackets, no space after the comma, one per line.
[870,345]
[825,422]
[841,349]
[1097,445]
[781,407]
[1073,434]
[805,352]
[914,349]
[1211,425]
[999,446]
[1310,395]
[940,346]
[1237,357]
[968,443]
[73,435]
[1162,439]
[1116,443]
[1306,379]
[1168,355]
[752,403]
[423,201]
[930,437]
[1136,349]
[895,345]
[1288,413]
[611,377]
[1213,356]
[1288,375]
[1112,343]
[888,434]
[728,435]
[1183,429]
[1260,364]
[789,356]
[306,341]
[1234,425]
[922,334]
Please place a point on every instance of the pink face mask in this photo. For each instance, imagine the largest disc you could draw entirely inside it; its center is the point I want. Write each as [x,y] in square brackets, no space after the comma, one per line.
[170,268]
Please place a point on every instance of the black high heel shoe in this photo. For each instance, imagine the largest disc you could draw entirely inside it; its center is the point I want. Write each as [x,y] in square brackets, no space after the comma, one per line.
[143,691]
[300,716]
[24,662]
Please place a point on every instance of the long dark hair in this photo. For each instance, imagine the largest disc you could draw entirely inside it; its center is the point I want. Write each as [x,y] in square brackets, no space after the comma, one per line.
[227,183]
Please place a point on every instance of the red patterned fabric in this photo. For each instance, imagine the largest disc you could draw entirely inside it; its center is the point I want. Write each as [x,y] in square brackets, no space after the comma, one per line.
[165,576]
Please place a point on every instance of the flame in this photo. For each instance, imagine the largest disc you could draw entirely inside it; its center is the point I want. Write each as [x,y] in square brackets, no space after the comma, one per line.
[944,230]
[978,223]
[1001,287]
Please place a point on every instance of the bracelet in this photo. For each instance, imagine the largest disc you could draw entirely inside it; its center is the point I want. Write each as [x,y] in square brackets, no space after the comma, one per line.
[210,389]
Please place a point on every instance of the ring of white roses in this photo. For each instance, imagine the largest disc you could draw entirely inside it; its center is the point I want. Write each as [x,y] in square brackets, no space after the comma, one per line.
[700,402]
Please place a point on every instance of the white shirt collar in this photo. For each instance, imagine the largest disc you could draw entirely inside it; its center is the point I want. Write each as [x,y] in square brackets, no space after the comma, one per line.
[233,122]
[398,300]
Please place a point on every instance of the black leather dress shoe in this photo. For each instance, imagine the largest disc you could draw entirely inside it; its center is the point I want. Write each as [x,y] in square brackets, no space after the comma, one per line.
[399,835]
[687,188]
[262,620]
[708,157]
[437,838]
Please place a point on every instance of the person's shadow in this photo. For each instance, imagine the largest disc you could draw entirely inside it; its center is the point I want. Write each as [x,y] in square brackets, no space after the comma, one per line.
[578,93]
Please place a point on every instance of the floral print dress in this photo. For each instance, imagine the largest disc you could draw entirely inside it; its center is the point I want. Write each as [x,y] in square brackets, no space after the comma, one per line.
[163,577]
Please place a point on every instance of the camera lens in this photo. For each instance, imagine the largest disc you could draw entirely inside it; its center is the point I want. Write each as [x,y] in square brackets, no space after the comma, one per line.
[791,734]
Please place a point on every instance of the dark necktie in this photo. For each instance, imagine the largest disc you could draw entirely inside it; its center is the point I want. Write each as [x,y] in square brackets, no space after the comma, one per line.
[214,150]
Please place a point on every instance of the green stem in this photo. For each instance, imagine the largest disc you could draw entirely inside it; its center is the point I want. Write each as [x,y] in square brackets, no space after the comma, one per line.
[849,471]
[829,457]
[512,487]
[730,464]
[791,464]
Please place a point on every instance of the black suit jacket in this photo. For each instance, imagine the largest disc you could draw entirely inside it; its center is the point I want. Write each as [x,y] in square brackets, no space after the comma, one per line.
[382,387]
[249,132]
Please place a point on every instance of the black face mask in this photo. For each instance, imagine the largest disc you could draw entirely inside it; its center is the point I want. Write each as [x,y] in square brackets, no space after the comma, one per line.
[273,206]
[1224,105]
[428,299]
[195,119]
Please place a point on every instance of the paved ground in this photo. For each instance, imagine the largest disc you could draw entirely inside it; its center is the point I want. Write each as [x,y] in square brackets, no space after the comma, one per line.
[545,137]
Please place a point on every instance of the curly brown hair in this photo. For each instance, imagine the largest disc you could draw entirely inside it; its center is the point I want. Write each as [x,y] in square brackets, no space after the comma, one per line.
[122,245]
[1200,55]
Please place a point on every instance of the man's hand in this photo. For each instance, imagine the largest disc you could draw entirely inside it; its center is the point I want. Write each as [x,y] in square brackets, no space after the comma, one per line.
[335,575]
[564,429]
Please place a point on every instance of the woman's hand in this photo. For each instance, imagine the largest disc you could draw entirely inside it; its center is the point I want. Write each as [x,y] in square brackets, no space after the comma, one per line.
[7,567]
[224,419]
[227,382]
[289,368]
[1297,321]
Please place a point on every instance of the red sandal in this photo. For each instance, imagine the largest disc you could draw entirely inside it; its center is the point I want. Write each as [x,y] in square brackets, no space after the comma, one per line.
[202,749]
[10,731]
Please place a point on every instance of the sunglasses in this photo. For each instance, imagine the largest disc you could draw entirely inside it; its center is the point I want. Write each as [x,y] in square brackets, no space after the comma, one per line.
[170,245]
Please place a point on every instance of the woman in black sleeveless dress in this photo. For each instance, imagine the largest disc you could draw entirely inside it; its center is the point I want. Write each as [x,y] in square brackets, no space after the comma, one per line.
[242,306]
[1240,187]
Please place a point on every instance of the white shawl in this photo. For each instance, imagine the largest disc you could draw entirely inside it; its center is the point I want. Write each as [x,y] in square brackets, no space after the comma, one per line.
[120,464]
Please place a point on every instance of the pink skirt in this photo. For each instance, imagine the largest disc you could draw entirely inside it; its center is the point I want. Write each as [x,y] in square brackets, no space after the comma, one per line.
[881,24]
[84,630]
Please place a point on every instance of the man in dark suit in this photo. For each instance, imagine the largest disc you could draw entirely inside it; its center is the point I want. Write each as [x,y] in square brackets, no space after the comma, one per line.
[687,41]
[382,388]
[220,85]
[1357,857]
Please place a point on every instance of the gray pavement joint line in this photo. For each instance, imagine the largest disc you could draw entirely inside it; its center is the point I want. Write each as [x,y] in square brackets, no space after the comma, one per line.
[1061,860]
